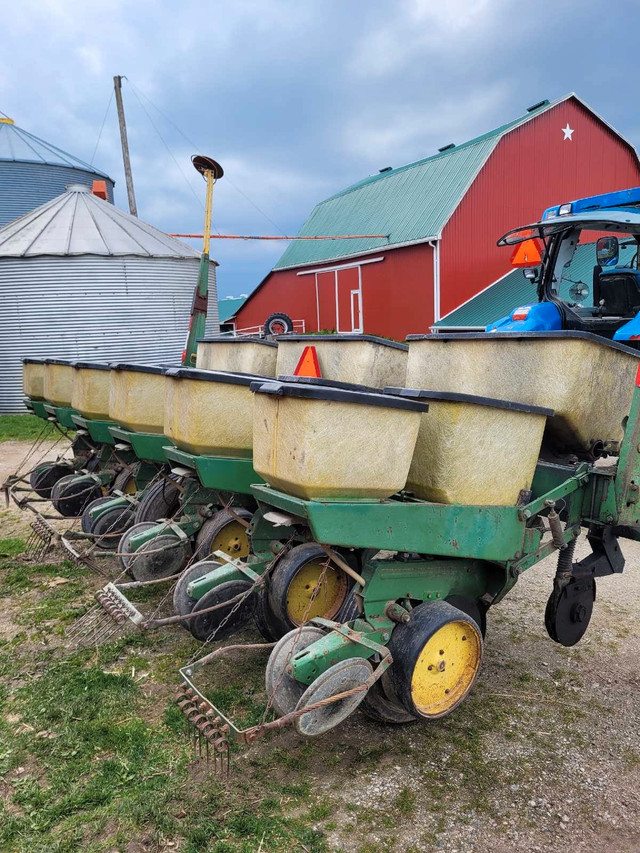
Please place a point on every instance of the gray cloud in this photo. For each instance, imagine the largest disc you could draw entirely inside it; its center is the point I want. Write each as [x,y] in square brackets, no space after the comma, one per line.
[297,99]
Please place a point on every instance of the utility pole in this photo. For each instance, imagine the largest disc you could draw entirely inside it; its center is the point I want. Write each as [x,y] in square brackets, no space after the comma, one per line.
[117,84]
[211,171]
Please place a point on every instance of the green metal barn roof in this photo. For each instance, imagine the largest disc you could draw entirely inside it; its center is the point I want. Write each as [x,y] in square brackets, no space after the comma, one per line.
[409,204]
[228,306]
[500,298]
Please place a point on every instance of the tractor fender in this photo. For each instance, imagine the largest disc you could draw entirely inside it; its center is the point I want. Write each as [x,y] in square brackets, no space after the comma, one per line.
[540,317]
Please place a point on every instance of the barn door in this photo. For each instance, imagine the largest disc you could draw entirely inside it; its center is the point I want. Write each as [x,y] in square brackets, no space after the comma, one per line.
[349,300]
[326,295]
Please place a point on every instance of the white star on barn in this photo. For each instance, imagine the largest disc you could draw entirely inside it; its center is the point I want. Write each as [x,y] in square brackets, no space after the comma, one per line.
[568,132]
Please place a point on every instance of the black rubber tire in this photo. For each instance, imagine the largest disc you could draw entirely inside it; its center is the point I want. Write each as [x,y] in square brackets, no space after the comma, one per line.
[161,557]
[71,497]
[44,478]
[407,642]
[382,707]
[125,553]
[350,610]
[266,623]
[472,608]
[282,576]
[86,521]
[122,480]
[215,525]
[183,603]
[202,627]
[161,500]
[110,527]
[275,320]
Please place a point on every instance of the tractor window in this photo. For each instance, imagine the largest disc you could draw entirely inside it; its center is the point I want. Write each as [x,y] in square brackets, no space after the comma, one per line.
[574,282]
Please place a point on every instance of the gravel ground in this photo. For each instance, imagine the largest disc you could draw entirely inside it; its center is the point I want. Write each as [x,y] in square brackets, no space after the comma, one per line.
[543,755]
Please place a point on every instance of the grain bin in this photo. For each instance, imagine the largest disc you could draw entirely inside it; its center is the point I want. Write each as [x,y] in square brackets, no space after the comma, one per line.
[474,450]
[238,355]
[84,280]
[587,380]
[359,359]
[209,413]
[32,172]
[319,441]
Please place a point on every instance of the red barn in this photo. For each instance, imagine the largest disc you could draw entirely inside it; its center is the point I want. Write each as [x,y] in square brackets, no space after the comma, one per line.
[442,217]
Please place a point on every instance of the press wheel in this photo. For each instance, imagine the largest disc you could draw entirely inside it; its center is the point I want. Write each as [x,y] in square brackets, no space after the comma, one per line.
[266,623]
[160,557]
[109,527]
[125,554]
[210,625]
[304,584]
[159,500]
[183,603]
[44,478]
[569,610]
[284,692]
[125,482]
[223,532]
[436,658]
[86,521]
[70,497]
[339,678]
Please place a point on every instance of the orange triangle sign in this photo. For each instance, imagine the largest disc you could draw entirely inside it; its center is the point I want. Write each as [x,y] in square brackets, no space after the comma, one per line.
[526,254]
[308,364]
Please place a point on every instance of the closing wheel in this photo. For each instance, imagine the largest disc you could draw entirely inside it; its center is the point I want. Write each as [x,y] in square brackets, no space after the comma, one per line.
[86,521]
[223,532]
[209,625]
[382,705]
[569,610]
[70,497]
[183,603]
[109,527]
[339,678]
[436,658]
[266,623]
[44,478]
[283,691]
[125,554]
[160,500]
[164,555]
[304,584]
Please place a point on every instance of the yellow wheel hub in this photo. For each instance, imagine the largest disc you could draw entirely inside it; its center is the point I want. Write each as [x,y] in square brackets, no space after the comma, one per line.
[446,668]
[232,540]
[130,486]
[316,590]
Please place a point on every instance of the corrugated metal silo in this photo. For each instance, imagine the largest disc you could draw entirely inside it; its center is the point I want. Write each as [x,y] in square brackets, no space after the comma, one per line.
[33,172]
[80,278]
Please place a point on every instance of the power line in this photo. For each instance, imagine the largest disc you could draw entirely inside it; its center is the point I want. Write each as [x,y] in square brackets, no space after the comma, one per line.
[106,112]
[170,152]
[197,148]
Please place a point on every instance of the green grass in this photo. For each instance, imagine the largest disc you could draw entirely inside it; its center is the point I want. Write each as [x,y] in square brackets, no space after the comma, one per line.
[23,428]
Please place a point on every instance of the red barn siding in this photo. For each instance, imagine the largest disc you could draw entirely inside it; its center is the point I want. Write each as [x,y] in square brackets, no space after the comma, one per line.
[530,169]
[397,294]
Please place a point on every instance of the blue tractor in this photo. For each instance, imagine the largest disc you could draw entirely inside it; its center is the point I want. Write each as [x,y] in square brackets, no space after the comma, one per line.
[588,279]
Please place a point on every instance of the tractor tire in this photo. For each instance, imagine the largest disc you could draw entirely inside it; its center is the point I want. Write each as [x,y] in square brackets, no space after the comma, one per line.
[278,324]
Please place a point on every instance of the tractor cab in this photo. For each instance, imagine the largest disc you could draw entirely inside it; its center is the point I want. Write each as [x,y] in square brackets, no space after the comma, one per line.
[587,276]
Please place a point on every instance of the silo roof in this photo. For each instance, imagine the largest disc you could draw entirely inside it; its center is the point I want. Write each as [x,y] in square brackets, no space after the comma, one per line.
[20,146]
[79,223]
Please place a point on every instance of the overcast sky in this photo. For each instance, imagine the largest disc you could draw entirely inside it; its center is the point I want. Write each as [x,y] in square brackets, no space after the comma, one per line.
[297,98]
